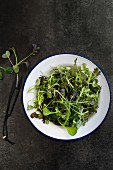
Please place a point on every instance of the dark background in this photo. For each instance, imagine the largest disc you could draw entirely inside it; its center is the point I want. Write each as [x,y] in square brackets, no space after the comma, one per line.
[83,27]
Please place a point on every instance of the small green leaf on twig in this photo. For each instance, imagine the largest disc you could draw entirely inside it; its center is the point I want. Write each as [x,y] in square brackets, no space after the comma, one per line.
[6,55]
[16,68]
[16,65]
[8,70]
[72,130]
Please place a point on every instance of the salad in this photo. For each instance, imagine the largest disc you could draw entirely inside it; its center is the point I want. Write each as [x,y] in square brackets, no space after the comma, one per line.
[68,96]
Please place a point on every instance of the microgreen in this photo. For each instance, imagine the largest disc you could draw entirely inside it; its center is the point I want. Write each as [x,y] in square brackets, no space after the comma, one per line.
[72,130]
[16,68]
[15,65]
[68,96]
[5,70]
[8,69]
[6,54]
[29,107]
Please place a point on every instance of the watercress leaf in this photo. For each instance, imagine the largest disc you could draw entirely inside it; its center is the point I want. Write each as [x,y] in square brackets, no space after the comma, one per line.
[7,53]
[30,107]
[1,75]
[16,68]
[8,69]
[46,111]
[72,130]
[49,94]
[96,72]
[4,56]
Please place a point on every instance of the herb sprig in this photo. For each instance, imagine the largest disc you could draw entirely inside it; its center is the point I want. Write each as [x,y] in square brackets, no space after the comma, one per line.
[15,65]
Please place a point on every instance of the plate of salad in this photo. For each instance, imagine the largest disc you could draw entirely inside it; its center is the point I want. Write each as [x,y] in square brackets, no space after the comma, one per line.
[66,96]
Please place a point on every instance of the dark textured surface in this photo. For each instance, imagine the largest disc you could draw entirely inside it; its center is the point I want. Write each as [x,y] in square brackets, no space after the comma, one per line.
[82,27]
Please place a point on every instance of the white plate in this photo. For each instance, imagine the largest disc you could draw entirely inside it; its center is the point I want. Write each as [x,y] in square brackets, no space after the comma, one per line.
[55,131]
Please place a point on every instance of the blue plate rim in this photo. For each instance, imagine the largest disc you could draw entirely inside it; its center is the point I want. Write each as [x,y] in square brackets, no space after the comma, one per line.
[89,132]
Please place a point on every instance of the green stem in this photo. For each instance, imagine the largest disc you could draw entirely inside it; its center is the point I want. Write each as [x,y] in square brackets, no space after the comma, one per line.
[79,96]
[69,82]
[15,56]
[14,52]
[10,61]
[25,58]
[60,94]
[73,105]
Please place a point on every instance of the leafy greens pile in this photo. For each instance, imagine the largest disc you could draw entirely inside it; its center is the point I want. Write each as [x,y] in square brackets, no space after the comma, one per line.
[67,97]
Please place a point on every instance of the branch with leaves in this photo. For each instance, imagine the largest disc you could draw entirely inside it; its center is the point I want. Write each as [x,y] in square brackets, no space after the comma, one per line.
[14,67]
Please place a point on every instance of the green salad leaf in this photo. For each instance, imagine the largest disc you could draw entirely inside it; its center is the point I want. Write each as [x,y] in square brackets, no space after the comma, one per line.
[72,130]
[67,96]
[8,69]
[6,54]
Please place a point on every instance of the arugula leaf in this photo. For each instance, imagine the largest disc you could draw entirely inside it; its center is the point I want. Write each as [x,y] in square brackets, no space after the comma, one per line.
[46,111]
[96,72]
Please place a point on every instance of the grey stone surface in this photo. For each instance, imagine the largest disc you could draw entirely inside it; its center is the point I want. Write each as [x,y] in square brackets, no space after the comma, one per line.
[83,27]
